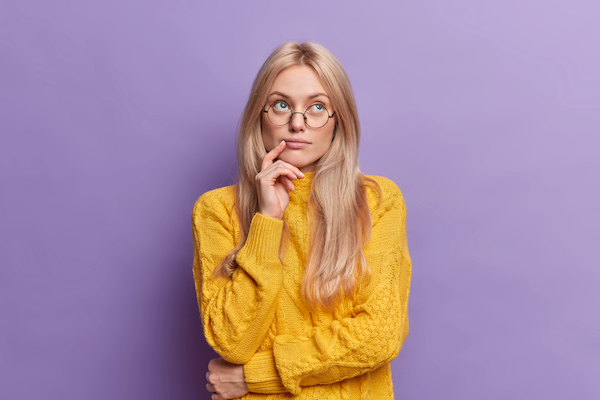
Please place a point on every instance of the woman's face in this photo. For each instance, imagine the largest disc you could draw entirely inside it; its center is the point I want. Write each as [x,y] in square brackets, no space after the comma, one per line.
[299,88]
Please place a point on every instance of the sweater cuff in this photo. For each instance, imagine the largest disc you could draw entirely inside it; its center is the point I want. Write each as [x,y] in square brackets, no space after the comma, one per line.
[264,238]
[261,374]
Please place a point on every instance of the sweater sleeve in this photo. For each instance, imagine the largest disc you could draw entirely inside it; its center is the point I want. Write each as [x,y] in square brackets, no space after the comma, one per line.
[370,335]
[234,311]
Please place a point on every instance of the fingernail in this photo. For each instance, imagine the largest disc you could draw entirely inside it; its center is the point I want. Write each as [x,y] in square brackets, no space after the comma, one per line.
[302,174]
[283,141]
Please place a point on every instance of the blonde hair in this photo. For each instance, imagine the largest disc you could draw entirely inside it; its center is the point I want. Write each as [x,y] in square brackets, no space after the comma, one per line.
[340,217]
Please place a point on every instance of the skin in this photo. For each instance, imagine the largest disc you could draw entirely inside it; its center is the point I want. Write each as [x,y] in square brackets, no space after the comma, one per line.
[293,149]
[225,380]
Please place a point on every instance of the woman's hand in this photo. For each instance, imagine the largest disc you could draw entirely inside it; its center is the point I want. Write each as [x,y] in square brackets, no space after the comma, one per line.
[225,380]
[274,183]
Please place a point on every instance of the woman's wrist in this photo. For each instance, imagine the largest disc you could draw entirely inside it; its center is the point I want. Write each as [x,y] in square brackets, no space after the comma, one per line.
[270,214]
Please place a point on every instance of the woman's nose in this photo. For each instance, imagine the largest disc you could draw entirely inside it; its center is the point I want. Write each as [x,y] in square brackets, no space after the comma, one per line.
[297,122]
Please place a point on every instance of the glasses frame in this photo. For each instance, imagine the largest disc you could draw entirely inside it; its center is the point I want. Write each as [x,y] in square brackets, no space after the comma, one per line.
[298,112]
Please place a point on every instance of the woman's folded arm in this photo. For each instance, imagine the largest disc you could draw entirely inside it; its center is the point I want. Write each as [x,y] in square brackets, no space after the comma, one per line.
[236,312]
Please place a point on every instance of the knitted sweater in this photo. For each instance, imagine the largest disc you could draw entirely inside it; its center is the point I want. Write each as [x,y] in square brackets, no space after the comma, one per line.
[258,318]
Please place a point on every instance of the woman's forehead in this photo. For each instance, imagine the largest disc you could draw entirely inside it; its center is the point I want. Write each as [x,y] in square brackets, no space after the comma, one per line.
[298,82]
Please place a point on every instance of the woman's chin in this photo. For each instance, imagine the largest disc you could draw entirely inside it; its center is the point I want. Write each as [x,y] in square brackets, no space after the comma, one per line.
[290,160]
[299,162]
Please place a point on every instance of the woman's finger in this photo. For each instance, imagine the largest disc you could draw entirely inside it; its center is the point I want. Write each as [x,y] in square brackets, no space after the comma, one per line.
[280,168]
[270,157]
[210,387]
[289,166]
[289,185]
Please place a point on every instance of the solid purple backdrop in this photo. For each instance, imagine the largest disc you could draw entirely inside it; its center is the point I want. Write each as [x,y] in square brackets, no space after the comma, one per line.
[116,115]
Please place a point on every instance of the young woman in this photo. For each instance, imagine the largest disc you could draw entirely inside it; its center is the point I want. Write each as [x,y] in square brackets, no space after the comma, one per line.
[302,269]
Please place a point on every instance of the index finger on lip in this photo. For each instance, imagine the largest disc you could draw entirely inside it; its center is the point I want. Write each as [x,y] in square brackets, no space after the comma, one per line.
[270,157]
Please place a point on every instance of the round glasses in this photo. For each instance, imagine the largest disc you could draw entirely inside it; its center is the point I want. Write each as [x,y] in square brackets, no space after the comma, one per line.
[315,116]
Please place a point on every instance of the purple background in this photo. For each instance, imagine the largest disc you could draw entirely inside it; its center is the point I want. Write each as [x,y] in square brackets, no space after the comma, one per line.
[116,115]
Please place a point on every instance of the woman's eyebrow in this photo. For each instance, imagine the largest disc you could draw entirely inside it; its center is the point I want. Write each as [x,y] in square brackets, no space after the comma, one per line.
[285,96]
[317,95]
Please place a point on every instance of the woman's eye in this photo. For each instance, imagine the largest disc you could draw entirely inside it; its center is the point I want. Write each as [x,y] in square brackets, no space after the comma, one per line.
[281,106]
[316,108]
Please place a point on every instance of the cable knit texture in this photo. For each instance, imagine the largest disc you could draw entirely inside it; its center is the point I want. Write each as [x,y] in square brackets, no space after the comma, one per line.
[258,319]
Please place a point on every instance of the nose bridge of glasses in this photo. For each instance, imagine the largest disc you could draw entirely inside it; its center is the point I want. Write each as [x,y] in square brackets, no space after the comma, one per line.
[298,112]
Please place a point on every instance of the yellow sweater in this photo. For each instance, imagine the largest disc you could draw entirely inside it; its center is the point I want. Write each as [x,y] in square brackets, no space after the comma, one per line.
[258,318]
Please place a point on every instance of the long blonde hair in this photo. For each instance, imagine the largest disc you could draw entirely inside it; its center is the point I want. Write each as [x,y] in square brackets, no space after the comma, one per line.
[340,217]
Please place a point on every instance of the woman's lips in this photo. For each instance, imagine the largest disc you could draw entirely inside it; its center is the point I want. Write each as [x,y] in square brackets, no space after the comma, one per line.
[296,144]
